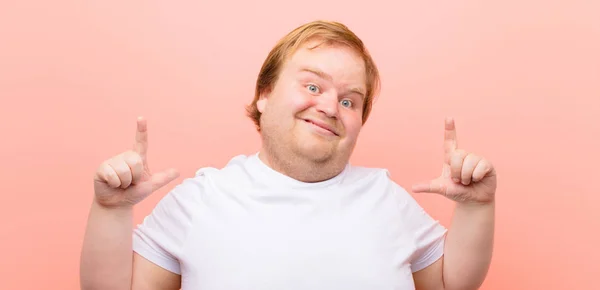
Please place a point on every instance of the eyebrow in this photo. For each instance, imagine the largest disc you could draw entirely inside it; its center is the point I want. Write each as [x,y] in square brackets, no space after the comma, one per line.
[327,77]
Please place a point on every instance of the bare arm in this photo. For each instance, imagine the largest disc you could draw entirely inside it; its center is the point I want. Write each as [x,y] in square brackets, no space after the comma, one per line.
[469,246]
[470,181]
[467,253]
[107,258]
[147,275]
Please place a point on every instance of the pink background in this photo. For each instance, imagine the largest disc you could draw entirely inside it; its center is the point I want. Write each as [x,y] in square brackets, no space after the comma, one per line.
[522,79]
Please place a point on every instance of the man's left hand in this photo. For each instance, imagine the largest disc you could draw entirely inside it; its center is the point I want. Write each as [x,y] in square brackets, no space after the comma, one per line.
[465,178]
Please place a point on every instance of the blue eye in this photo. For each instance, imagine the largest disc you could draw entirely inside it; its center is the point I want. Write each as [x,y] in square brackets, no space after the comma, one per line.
[346,103]
[313,88]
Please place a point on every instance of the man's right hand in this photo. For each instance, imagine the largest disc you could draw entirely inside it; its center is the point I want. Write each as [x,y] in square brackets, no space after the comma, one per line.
[125,179]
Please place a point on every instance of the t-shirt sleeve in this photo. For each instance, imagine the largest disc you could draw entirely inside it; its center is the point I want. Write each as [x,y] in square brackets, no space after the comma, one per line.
[161,236]
[428,234]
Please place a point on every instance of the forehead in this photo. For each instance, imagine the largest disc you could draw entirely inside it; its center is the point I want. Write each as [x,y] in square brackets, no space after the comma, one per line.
[337,60]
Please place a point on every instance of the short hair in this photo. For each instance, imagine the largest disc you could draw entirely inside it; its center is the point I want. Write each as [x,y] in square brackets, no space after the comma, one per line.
[330,32]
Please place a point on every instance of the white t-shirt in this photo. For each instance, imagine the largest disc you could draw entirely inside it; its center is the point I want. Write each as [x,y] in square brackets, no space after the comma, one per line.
[246,226]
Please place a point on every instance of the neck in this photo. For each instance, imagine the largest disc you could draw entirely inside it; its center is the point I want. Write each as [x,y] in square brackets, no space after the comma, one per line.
[298,168]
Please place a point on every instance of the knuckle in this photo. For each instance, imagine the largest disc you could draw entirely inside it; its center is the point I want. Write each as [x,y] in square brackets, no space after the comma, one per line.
[106,171]
[122,169]
[459,154]
[471,157]
[112,175]
[112,179]
[132,158]
[102,168]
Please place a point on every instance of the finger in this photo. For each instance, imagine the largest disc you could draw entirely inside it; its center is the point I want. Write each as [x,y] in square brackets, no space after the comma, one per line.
[456,164]
[450,143]
[108,175]
[482,169]
[136,166]
[161,179]
[141,138]
[430,187]
[468,167]
[123,172]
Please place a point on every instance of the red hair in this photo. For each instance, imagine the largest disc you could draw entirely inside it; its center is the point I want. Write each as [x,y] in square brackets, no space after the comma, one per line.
[331,33]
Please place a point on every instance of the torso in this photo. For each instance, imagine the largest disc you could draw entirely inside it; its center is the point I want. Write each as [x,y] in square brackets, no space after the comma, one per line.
[317,238]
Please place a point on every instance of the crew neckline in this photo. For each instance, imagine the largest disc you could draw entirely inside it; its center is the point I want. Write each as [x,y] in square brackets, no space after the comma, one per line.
[272,176]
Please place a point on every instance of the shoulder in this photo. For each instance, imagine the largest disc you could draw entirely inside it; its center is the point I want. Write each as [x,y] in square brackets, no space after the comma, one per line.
[237,169]
[375,176]
[362,174]
[381,180]
[193,190]
[236,163]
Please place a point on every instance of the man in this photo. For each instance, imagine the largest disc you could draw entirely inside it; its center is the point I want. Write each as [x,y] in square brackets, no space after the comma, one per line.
[295,215]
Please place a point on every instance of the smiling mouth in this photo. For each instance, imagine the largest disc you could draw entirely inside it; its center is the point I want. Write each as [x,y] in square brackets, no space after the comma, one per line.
[317,125]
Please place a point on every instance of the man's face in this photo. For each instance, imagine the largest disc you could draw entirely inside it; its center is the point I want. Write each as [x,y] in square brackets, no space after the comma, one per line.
[315,109]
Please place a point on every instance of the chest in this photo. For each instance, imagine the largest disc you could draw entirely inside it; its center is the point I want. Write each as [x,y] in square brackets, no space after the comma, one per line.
[296,245]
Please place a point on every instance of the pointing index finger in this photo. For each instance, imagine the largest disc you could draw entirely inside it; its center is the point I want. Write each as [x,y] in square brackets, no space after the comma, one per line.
[450,143]
[141,138]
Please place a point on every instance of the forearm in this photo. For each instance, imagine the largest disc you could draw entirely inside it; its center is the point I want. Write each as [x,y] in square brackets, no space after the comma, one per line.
[468,247]
[106,257]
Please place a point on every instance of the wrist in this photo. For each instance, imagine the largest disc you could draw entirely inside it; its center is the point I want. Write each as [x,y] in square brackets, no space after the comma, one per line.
[476,205]
[114,209]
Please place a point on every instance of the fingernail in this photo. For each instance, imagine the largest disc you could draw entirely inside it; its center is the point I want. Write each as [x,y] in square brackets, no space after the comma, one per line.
[455,179]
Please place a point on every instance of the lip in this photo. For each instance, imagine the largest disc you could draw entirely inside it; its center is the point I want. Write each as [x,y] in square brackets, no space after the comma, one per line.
[322,125]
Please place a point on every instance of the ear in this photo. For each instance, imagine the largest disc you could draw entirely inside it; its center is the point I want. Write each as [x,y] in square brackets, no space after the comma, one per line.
[261,104]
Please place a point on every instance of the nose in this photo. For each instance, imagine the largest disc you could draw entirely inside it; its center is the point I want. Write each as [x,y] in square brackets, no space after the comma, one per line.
[328,105]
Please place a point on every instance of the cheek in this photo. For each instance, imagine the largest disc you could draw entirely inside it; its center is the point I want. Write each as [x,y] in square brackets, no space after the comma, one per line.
[299,101]
[352,124]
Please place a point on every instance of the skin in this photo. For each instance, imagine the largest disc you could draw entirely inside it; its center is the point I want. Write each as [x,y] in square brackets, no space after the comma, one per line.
[107,257]
[470,181]
[297,149]
[324,85]
[310,123]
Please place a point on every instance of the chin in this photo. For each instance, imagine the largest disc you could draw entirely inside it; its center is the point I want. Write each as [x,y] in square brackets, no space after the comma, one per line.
[317,151]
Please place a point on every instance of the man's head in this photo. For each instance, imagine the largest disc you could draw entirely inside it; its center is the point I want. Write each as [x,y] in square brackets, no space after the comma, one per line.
[313,94]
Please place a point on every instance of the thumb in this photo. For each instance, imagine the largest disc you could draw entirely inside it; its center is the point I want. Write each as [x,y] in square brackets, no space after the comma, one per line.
[433,186]
[161,179]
